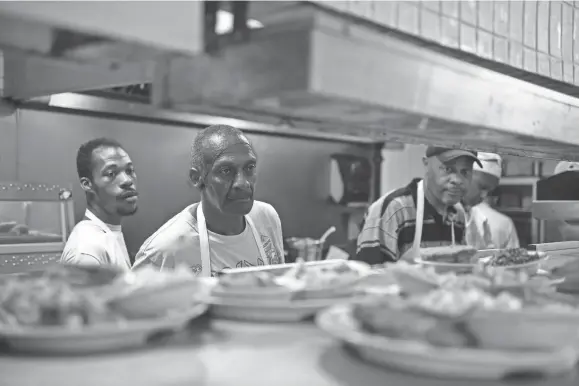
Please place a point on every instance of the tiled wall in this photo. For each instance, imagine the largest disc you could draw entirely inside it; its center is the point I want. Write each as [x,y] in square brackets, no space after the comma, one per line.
[537,36]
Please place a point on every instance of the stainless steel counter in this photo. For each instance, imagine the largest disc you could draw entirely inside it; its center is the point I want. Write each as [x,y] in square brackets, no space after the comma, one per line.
[223,353]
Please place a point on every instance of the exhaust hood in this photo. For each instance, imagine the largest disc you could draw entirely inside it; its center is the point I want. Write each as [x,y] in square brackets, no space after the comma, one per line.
[52,47]
[322,69]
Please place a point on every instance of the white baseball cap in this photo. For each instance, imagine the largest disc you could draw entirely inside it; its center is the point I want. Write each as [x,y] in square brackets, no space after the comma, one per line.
[491,164]
[566,166]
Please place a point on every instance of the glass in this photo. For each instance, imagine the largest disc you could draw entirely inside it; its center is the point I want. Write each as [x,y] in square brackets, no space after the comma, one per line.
[28,222]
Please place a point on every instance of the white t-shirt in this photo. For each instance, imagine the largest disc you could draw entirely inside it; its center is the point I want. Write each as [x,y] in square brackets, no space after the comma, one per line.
[90,243]
[503,233]
[177,242]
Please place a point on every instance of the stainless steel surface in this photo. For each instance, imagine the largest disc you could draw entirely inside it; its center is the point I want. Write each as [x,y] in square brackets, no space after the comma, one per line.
[25,191]
[339,76]
[106,33]
[18,263]
[54,47]
[38,248]
[79,103]
[556,210]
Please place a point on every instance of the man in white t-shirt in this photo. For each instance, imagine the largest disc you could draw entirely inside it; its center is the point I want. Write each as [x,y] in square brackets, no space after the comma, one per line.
[108,178]
[487,228]
[228,228]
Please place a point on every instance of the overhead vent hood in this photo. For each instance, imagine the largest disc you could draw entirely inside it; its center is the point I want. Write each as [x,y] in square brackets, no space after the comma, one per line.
[51,47]
[317,68]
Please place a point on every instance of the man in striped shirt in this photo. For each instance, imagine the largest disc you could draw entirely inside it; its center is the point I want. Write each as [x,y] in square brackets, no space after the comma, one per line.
[390,225]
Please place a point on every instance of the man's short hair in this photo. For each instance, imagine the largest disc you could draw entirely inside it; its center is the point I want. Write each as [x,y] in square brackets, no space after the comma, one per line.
[199,143]
[84,163]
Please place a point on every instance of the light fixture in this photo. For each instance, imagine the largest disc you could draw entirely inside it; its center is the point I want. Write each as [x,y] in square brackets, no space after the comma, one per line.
[224,23]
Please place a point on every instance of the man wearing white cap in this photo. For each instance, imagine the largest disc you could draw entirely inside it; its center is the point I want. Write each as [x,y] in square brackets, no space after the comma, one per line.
[486,227]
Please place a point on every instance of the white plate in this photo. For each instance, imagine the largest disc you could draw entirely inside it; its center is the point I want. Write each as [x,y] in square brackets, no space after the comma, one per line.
[271,311]
[103,337]
[424,359]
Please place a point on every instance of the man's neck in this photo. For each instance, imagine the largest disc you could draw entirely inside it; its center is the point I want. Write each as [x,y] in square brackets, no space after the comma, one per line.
[104,216]
[220,223]
[436,203]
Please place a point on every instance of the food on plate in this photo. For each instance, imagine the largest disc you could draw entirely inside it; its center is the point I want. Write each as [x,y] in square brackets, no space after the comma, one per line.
[77,296]
[455,254]
[395,319]
[150,277]
[300,281]
[416,279]
[513,256]
[249,279]
[148,292]
[44,301]
[474,317]
[315,277]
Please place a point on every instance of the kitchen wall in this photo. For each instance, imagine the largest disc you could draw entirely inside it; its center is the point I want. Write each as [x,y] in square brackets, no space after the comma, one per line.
[293,173]
[399,167]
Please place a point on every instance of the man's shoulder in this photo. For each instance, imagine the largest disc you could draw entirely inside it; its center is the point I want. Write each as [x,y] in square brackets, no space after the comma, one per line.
[263,209]
[178,230]
[497,216]
[399,199]
[87,231]
[86,238]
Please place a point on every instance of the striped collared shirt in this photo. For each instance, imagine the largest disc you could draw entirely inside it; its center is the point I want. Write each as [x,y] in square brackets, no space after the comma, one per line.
[387,231]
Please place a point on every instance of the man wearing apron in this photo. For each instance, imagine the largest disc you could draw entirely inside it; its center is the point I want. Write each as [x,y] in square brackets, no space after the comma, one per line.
[487,228]
[108,179]
[425,213]
[228,228]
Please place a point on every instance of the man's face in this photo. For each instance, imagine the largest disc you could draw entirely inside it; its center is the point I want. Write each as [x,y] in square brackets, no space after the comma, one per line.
[230,180]
[481,185]
[449,181]
[114,183]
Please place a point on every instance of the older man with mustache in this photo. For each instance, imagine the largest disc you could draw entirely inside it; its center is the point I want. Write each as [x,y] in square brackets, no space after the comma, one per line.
[425,213]
[228,228]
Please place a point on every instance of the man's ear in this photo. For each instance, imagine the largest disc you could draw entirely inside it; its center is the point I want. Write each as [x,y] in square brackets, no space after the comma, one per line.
[86,184]
[195,177]
[425,161]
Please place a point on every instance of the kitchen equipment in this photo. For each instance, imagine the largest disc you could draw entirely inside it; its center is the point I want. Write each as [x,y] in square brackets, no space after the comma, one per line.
[307,248]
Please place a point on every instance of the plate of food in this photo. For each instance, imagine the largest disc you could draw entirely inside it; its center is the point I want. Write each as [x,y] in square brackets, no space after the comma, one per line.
[148,292]
[51,314]
[430,336]
[286,292]
[518,259]
[413,279]
[451,258]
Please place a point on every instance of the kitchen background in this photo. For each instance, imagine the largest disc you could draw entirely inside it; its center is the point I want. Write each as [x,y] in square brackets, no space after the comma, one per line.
[40,146]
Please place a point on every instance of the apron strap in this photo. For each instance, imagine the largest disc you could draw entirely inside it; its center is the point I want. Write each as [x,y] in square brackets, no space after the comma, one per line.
[414,251]
[204,242]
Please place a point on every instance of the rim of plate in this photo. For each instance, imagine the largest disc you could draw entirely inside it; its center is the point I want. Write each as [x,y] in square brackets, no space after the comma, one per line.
[419,260]
[331,321]
[292,304]
[134,326]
